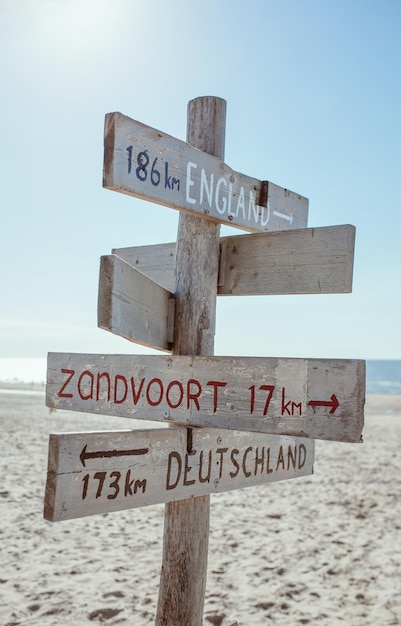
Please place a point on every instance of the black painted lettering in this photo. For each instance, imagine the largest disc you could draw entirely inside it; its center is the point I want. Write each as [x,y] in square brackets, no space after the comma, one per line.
[247,473]
[154,174]
[280,459]
[259,461]
[234,453]
[143,162]
[292,457]
[170,182]
[140,484]
[114,485]
[222,452]
[129,150]
[170,484]
[268,468]
[100,476]
[85,481]
[188,468]
[301,456]
[128,484]
[205,479]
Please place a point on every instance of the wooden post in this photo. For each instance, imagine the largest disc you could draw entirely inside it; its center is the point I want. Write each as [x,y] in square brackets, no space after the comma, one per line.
[186,524]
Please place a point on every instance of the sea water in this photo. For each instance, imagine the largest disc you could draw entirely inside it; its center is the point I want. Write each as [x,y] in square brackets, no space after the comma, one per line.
[382,376]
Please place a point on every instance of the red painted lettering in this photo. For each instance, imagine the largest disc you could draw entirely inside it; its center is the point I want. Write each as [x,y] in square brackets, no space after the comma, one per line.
[99,377]
[176,383]
[289,407]
[61,393]
[215,384]
[117,378]
[154,381]
[270,389]
[296,405]
[136,395]
[89,395]
[284,405]
[193,395]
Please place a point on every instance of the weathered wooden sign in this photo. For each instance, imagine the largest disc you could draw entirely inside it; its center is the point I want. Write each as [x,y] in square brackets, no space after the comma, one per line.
[146,163]
[321,399]
[100,472]
[306,261]
[133,306]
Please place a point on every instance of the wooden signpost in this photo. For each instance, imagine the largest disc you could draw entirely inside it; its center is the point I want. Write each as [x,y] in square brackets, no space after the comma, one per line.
[148,164]
[306,261]
[317,398]
[101,472]
[244,421]
[133,306]
[135,286]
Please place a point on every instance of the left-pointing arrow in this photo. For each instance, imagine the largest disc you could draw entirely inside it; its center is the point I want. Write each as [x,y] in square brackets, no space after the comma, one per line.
[333,403]
[102,454]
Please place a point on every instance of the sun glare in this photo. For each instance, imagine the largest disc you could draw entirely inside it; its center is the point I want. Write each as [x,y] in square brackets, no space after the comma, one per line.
[75,26]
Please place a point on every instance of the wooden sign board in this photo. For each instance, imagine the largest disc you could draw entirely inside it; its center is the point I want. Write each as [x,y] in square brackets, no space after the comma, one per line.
[316,398]
[144,162]
[101,472]
[306,261]
[133,306]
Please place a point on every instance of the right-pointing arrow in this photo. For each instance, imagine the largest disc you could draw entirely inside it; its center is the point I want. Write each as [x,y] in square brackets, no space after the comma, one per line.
[333,403]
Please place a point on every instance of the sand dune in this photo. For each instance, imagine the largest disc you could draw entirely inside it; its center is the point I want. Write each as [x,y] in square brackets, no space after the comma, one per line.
[322,549]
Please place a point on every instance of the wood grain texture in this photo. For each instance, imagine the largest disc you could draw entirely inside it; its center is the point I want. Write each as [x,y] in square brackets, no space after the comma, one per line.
[260,394]
[306,261]
[156,261]
[90,473]
[133,306]
[178,175]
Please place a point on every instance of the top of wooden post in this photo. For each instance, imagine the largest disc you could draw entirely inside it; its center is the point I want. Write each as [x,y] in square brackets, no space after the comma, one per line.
[206,125]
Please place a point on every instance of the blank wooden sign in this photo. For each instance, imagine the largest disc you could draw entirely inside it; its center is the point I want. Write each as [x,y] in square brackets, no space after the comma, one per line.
[305,261]
[133,306]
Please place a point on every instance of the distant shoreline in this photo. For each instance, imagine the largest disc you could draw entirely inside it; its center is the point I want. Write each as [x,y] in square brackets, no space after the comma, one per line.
[22,386]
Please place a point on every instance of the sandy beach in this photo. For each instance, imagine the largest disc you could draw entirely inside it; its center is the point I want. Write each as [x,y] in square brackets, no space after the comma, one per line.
[320,549]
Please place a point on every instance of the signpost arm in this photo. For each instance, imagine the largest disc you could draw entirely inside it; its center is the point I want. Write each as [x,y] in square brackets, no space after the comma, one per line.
[186,524]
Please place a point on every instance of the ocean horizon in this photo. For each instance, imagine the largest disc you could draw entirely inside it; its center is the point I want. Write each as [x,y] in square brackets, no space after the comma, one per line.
[383,376]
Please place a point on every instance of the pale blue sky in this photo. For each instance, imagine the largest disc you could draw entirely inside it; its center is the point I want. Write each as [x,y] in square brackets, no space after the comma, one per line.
[313,96]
